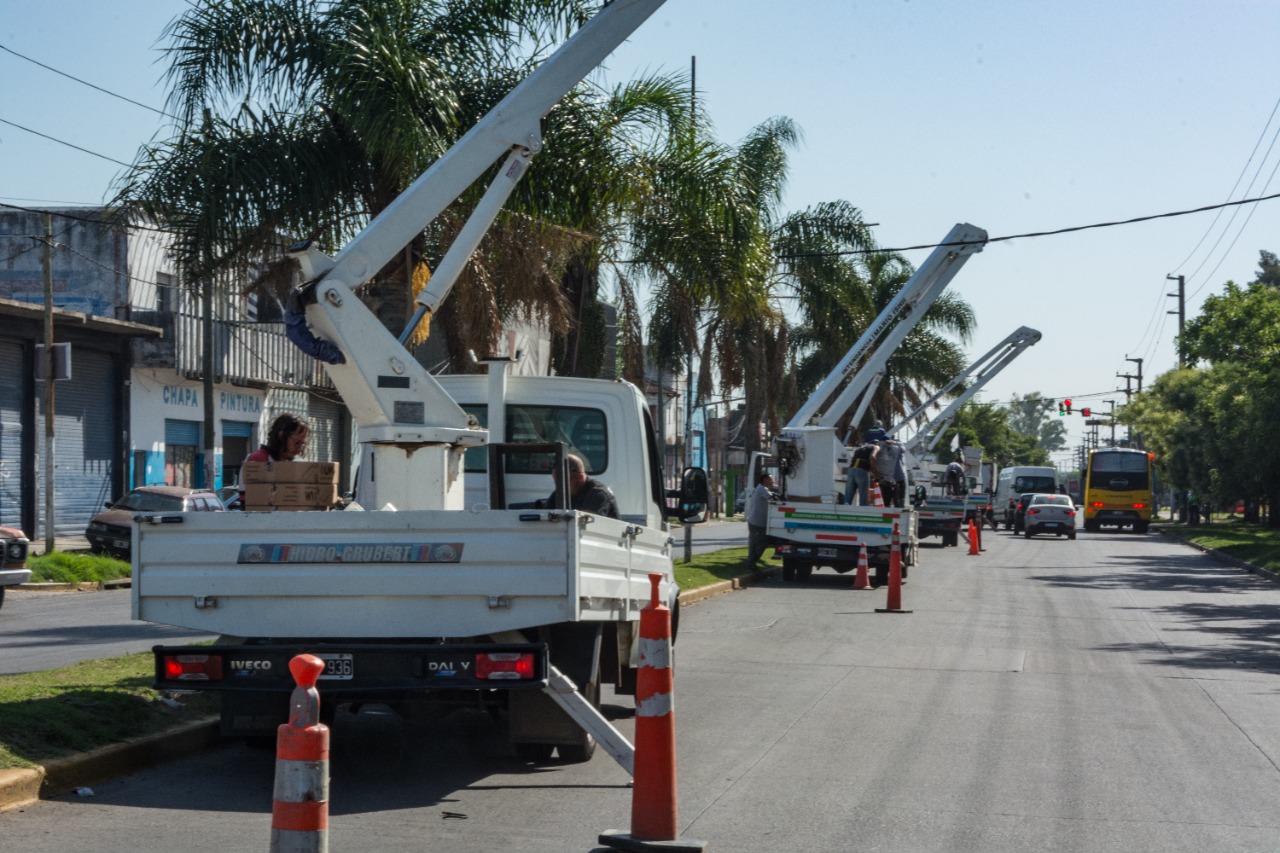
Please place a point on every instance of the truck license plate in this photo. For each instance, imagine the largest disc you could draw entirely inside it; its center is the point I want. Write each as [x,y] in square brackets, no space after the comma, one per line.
[827,552]
[338,667]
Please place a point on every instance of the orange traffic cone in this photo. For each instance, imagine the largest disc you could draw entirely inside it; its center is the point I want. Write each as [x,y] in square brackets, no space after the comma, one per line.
[973,539]
[300,808]
[653,793]
[894,604]
[876,498]
[861,581]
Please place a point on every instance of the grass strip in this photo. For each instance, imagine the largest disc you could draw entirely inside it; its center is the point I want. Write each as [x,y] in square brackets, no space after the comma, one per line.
[75,567]
[1249,542]
[59,712]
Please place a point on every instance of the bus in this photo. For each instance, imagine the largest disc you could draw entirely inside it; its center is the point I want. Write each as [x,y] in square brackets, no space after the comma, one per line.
[1118,489]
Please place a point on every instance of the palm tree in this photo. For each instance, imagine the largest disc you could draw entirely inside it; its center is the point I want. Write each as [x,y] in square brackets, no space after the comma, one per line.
[306,119]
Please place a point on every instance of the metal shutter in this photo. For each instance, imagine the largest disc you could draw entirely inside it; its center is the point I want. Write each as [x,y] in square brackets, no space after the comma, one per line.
[182,432]
[11,376]
[86,433]
[324,416]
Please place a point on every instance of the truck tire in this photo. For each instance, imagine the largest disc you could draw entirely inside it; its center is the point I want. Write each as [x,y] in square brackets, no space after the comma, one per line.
[537,725]
[804,572]
[950,539]
[1,596]
[1139,527]
[789,570]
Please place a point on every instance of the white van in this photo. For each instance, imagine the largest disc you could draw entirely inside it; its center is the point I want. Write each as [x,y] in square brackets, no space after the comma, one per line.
[1017,479]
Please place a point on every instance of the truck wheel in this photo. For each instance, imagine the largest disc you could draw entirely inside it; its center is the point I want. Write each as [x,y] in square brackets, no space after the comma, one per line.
[537,753]
[803,573]
[1139,528]
[1,596]
[788,570]
[950,539]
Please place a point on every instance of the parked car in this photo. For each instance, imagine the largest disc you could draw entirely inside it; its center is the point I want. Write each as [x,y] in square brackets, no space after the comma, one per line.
[232,498]
[13,558]
[1054,514]
[112,531]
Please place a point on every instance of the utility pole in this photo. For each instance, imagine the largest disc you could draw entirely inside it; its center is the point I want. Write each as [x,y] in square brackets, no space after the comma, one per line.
[47,262]
[1139,363]
[1181,312]
[1111,415]
[210,458]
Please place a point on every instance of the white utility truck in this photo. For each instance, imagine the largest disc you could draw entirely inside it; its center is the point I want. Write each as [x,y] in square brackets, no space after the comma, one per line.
[464,580]
[942,514]
[809,526]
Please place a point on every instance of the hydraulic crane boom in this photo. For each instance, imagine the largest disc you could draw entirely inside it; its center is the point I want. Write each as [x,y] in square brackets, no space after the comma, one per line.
[871,352]
[977,374]
[418,430]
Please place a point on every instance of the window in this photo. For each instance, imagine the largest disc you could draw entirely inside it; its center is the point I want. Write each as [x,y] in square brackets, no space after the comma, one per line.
[165,293]
[583,431]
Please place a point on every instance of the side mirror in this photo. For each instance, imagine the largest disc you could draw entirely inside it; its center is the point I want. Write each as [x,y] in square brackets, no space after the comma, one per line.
[695,495]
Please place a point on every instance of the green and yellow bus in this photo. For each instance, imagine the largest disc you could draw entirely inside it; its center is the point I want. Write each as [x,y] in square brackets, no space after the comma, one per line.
[1118,489]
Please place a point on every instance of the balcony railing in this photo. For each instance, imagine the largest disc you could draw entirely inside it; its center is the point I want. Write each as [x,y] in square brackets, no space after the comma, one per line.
[244,353]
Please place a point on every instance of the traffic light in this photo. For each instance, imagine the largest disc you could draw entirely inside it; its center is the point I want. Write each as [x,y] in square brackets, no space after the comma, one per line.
[1062,410]
[1067,403]
[1086,412]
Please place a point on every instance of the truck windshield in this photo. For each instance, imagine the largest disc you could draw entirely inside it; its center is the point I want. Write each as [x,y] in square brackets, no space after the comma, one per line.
[1035,484]
[581,430]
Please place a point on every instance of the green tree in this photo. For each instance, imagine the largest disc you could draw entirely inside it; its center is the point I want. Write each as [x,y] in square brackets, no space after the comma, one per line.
[988,425]
[1034,415]
[1212,425]
[1268,269]
[305,118]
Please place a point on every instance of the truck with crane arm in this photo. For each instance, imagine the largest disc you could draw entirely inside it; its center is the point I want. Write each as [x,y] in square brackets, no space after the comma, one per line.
[454,579]
[942,514]
[809,526]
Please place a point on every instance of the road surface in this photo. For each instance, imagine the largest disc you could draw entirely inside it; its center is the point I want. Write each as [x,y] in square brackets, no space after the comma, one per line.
[1114,693]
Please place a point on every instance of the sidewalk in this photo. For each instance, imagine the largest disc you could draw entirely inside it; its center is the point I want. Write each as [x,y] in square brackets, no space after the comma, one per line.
[60,543]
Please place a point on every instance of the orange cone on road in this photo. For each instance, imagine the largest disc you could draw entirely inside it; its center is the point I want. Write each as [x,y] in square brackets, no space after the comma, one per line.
[973,538]
[300,811]
[861,581]
[894,604]
[876,498]
[653,793]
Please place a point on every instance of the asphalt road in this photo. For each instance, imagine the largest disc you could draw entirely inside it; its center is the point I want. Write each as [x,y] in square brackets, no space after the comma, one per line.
[1113,693]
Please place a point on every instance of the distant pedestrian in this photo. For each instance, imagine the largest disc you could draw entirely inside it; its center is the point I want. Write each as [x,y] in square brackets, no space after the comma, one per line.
[889,469]
[758,519]
[859,476]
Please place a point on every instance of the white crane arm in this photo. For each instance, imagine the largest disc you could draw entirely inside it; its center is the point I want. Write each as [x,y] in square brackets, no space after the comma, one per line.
[977,374]
[870,353]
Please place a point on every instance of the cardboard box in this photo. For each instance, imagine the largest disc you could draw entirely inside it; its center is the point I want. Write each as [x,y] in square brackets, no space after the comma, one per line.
[323,473]
[259,496]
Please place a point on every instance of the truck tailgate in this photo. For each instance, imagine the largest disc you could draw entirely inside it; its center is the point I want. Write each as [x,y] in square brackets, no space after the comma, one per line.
[390,574]
[839,524]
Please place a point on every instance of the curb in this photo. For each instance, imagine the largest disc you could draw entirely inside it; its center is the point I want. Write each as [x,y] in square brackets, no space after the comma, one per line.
[702,593]
[81,586]
[1226,558]
[23,785]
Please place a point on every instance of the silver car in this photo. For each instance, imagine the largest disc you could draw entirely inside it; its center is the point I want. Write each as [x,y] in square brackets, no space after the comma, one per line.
[1054,514]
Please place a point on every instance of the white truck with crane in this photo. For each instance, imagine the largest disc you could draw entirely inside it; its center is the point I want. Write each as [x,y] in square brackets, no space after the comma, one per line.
[942,514]
[455,584]
[809,526]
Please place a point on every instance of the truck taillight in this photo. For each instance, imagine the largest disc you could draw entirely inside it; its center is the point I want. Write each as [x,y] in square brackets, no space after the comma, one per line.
[1138,506]
[504,666]
[192,668]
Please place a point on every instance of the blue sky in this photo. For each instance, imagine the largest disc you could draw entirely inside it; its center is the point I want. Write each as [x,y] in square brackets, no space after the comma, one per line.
[1018,117]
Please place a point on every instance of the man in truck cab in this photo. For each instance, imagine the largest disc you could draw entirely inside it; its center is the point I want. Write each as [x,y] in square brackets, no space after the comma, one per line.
[585,493]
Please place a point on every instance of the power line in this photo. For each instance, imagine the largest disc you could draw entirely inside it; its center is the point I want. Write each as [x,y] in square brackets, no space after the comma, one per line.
[1052,233]
[63,142]
[87,83]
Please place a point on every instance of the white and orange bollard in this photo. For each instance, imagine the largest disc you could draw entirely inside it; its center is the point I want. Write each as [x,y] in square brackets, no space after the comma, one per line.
[300,812]
[894,603]
[653,794]
[861,580]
